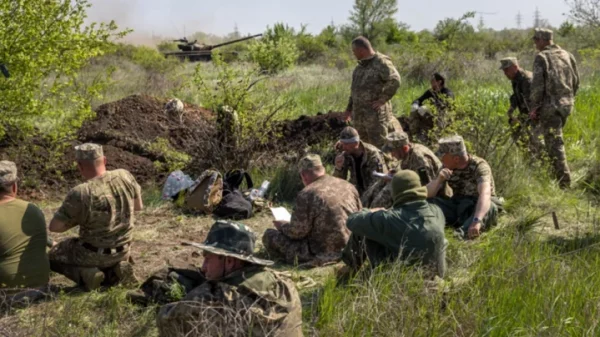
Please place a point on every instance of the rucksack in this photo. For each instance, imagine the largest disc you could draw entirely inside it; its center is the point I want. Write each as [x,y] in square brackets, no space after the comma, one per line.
[234,205]
[206,193]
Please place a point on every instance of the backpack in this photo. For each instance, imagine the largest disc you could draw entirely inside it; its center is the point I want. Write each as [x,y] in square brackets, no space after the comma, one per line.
[206,193]
[234,205]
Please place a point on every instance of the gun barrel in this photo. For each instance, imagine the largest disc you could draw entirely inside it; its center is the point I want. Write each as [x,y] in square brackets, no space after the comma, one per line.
[234,41]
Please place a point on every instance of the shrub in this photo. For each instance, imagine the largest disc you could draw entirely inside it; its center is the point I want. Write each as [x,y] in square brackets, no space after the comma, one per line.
[276,51]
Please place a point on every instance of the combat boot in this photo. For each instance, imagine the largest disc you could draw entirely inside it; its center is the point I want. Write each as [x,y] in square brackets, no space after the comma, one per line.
[91,278]
[125,274]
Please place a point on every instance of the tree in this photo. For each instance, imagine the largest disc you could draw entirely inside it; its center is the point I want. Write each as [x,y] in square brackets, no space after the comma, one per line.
[277,49]
[448,29]
[585,12]
[368,17]
[45,44]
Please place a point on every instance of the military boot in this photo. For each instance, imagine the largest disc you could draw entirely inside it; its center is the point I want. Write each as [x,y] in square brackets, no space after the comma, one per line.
[125,274]
[91,278]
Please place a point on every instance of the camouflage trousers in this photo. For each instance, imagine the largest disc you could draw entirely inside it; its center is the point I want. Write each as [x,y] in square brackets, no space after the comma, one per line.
[528,135]
[552,122]
[292,251]
[68,257]
[373,127]
[378,195]
[459,212]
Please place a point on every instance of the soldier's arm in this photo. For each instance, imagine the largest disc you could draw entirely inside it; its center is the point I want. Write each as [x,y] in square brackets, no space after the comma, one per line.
[343,173]
[427,95]
[302,218]
[391,81]
[371,225]
[526,92]
[69,214]
[538,82]
[575,74]
[349,106]
[484,187]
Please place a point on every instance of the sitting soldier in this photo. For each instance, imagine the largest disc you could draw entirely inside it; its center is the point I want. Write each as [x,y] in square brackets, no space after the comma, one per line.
[414,157]
[23,237]
[103,208]
[317,231]
[422,119]
[234,295]
[359,158]
[473,206]
[411,231]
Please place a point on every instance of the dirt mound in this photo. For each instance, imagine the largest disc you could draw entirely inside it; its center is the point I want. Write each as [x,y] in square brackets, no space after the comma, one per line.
[306,131]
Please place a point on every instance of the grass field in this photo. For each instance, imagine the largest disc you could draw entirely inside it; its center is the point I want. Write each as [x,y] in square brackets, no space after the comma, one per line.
[524,278]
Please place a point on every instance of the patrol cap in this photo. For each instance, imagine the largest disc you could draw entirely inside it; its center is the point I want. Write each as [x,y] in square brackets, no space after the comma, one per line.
[228,238]
[543,34]
[8,172]
[309,162]
[88,151]
[508,62]
[349,135]
[395,140]
[454,145]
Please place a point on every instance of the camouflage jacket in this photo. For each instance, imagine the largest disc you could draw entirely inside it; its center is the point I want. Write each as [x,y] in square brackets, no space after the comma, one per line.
[254,301]
[103,208]
[372,160]
[374,79]
[520,99]
[320,215]
[464,182]
[555,78]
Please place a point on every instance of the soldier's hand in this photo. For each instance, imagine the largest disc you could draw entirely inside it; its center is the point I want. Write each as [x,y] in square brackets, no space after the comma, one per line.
[347,115]
[377,104]
[533,115]
[339,161]
[445,175]
[474,230]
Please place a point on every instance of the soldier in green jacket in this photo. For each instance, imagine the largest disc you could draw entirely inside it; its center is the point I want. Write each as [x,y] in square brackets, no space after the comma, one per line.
[411,231]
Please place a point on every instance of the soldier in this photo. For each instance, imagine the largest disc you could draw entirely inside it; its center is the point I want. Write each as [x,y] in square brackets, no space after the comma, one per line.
[553,88]
[103,208]
[228,127]
[422,119]
[235,295]
[317,232]
[523,128]
[23,237]
[472,207]
[358,158]
[412,231]
[414,157]
[374,82]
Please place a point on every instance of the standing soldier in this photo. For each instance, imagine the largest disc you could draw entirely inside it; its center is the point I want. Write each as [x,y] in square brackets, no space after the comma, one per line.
[523,128]
[374,82]
[553,89]
[103,208]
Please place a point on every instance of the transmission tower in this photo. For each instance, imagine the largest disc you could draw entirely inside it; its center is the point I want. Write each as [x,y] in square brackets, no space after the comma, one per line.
[519,20]
[481,21]
[537,18]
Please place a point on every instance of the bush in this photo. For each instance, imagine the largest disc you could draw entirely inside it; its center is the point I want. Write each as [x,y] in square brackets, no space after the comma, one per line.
[276,51]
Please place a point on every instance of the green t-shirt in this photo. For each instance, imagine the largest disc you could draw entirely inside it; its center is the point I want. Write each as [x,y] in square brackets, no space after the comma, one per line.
[23,237]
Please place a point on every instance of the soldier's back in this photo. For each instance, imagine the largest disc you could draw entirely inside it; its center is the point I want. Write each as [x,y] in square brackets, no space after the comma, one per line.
[561,76]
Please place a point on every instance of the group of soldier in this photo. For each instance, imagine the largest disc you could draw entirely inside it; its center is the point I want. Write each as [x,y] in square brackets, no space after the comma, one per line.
[388,199]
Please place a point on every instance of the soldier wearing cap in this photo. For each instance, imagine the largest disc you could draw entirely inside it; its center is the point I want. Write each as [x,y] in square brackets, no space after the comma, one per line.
[422,119]
[233,294]
[414,157]
[472,207]
[103,207]
[317,232]
[358,158]
[374,82]
[23,237]
[523,128]
[553,88]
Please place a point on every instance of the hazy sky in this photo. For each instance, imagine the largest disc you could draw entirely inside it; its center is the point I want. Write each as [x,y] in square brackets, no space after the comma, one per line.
[169,17]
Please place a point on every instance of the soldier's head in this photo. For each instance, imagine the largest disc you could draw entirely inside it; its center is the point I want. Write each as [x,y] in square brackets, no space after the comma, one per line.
[510,66]
[229,246]
[311,168]
[349,140]
[438,81]
[542,38]
[8,179]
[361,47]
[452,152]
[397,144]
[90,160]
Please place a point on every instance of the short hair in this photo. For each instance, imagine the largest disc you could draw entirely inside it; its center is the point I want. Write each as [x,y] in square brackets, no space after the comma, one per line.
[6,189]
[362,42]
[439,77]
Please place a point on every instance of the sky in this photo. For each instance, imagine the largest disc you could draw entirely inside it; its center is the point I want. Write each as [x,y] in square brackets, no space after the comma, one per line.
[174,18]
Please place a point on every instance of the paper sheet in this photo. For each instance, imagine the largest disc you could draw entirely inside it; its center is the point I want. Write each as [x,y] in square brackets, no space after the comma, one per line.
[281,214]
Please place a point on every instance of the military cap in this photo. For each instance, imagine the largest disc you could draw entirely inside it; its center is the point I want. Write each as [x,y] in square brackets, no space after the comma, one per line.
[8,172]
[310,161]
[228,238]
[454,145]
[395,140]
[349,135]
[543,34]
[508,62]
[88,151]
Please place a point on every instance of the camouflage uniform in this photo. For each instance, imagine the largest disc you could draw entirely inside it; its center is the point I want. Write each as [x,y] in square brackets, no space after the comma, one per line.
[374,79]
[317,231]
[372,160]
[553,89]
[252,301]
[459,210]
[103,208]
